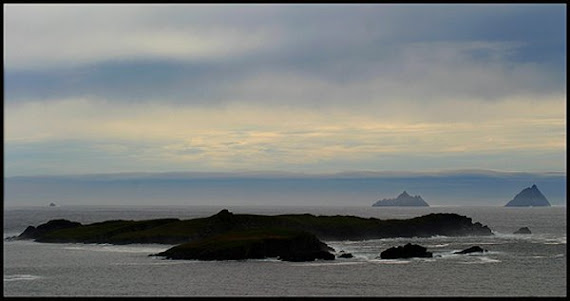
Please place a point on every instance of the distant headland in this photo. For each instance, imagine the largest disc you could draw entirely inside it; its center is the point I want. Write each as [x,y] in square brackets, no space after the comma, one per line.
[529,197]
[404,199]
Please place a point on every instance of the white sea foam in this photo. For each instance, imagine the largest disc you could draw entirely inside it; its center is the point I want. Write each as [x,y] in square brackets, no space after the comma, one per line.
[512,236]
[556,241]
[446,254]
[438,246]
[390,261]
[19,277]
[482,260]
[482,243]
[163,262]
[425,259]
[364,256]
[118,249]
[316,264]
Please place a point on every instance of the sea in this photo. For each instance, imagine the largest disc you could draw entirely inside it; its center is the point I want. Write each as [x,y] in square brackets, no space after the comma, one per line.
[516,265]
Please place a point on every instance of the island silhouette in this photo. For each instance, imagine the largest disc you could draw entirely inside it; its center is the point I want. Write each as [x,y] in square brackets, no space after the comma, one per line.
[404,199]
[529,197]
[229,236]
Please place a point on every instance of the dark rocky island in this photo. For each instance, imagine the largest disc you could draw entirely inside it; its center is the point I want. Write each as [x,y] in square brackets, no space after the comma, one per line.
[523,230]
[240,236]
[344,254]
[529,197]
[474,249]
[407,251]
[287,245]
[404,199]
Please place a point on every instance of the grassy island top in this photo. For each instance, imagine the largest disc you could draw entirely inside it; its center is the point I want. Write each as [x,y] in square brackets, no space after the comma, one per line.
[176,231]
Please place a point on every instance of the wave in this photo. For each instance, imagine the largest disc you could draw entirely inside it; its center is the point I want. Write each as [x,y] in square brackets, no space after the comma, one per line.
[556,241]
[482,243]
[19,277]
[482,260]
[390,261]
[437,246]
[163,262]
[315,264]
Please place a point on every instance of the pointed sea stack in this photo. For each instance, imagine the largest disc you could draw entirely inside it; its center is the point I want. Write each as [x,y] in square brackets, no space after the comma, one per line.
[404,199]
[529,197]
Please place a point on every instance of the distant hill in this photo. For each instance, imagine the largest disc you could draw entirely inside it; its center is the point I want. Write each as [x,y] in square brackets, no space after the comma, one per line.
[404,199]
[529,197]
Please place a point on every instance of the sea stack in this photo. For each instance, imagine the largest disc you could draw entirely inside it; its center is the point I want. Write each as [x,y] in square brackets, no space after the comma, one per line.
[404,199]
[529,197]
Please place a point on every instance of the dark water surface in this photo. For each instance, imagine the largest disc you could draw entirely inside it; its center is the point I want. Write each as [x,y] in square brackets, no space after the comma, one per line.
[516,265]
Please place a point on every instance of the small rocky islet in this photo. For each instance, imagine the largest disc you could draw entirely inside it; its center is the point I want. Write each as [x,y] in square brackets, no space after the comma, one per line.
[523,230]
[529,197]
[403,200]
[407,251]
[228,236]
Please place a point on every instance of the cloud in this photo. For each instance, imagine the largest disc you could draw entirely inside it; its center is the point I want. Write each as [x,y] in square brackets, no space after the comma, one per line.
[419,71]
[242,136]
[39,36]
[206,87]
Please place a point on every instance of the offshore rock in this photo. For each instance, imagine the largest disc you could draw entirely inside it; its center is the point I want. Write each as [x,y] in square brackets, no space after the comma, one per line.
[284,244]
[523,230]
[404,199]
[529,197]
[474,249]
[407,251]
[344,254]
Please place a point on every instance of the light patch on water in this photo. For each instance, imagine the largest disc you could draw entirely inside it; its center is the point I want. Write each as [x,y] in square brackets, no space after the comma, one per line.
[118,249]
[444,255]
[165,262]
[482,260]
[437,246]
[425,259]
[512,236]
[390,261]
[556,241]
[364,256]
[19,277]
[269,259]
[317,264]
[483,243]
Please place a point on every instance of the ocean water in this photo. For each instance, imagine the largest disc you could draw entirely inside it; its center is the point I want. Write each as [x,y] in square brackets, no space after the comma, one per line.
[515,265]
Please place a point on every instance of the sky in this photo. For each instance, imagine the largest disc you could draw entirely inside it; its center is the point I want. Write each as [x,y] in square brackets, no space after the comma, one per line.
[318,88]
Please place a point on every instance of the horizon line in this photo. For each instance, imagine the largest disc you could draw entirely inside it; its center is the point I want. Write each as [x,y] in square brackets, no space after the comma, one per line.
[278,173]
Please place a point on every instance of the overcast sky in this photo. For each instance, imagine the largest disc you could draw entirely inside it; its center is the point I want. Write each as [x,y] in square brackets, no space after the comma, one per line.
[302,88]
